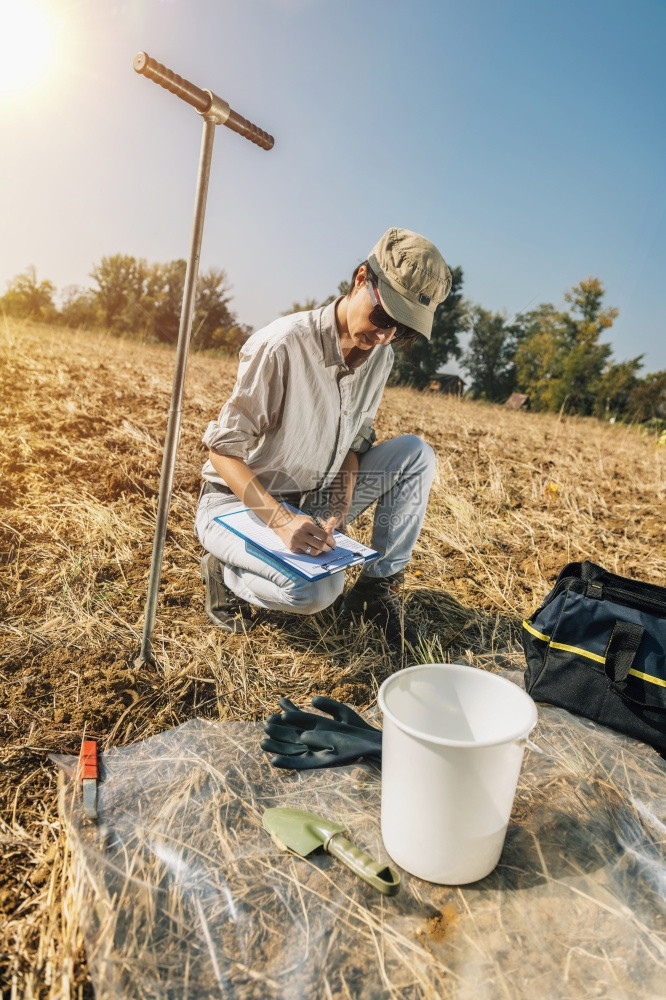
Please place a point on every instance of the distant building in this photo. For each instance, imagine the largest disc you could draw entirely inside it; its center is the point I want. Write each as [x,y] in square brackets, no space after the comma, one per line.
[450,385]
[518,401]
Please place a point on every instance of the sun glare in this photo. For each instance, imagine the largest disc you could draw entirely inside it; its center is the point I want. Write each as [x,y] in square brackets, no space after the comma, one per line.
[26,44]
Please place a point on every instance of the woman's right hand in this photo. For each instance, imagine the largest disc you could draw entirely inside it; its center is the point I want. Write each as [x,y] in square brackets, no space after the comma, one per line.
[301,534]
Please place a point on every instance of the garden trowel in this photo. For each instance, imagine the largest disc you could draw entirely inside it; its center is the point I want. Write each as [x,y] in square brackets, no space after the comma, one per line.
[303,832]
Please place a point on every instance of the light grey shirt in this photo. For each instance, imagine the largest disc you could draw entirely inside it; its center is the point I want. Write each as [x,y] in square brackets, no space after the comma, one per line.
[297,409]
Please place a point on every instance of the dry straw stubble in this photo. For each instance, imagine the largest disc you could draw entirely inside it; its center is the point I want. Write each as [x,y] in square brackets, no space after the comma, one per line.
[516,496]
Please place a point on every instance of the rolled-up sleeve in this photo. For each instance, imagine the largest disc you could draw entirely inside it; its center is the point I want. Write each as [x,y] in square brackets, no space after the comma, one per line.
[365,437]
[255,405]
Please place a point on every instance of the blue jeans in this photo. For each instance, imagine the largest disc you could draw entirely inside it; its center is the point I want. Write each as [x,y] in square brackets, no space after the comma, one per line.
[397,473]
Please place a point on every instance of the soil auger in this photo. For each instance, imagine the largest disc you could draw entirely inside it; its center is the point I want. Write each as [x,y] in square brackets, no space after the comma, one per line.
[214,111]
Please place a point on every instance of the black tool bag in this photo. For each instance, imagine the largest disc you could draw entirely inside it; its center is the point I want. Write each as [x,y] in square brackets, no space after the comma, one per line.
[597,646]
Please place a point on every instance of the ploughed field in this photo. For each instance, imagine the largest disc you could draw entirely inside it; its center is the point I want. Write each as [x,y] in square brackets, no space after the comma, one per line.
[517,495]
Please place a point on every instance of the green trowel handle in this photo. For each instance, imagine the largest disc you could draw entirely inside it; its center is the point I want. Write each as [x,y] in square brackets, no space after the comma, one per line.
[379,875]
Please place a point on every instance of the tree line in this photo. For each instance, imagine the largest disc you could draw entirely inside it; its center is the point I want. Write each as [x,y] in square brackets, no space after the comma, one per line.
[556,356]
[132,297]
[559,359]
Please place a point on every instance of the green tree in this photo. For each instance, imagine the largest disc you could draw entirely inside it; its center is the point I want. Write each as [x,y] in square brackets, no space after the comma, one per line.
[560,359]
[297,307]
[418,364]
[212,313]
[538,334]
[615,387]
[28,298]
[584,357]
[120,294]
[490,356]
[78,308]
[647,399]
[133,296]
[164,297]
[343,289]
[230,340]
[586,298]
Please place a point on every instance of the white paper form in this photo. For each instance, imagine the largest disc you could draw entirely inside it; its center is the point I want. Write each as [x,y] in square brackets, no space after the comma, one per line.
[347,552]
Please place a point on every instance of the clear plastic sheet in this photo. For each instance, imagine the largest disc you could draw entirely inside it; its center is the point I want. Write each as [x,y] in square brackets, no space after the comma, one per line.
[186,896]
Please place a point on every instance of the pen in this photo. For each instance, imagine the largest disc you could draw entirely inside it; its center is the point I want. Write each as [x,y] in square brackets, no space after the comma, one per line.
[316,520]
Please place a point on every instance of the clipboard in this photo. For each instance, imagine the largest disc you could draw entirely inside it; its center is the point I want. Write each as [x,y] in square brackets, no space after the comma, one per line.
[262,541]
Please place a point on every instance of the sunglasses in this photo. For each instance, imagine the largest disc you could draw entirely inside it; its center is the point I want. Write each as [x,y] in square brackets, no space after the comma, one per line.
[381,319]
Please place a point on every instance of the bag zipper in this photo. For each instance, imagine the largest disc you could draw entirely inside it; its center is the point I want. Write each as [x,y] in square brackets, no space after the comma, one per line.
[610,592]
[640,602]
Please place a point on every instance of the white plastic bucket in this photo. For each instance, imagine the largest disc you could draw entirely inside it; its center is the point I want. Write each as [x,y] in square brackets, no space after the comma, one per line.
[452,747]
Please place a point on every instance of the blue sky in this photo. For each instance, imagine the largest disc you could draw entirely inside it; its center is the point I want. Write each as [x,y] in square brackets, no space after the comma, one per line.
[525,138]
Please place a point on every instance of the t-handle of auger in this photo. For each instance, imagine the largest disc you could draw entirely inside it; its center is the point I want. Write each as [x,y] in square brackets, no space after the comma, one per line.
[204,101]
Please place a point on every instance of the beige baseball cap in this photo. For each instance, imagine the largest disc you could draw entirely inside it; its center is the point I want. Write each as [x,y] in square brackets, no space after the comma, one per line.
[413,278]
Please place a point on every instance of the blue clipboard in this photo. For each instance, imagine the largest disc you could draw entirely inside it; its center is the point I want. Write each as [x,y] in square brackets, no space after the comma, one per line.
[260,540]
